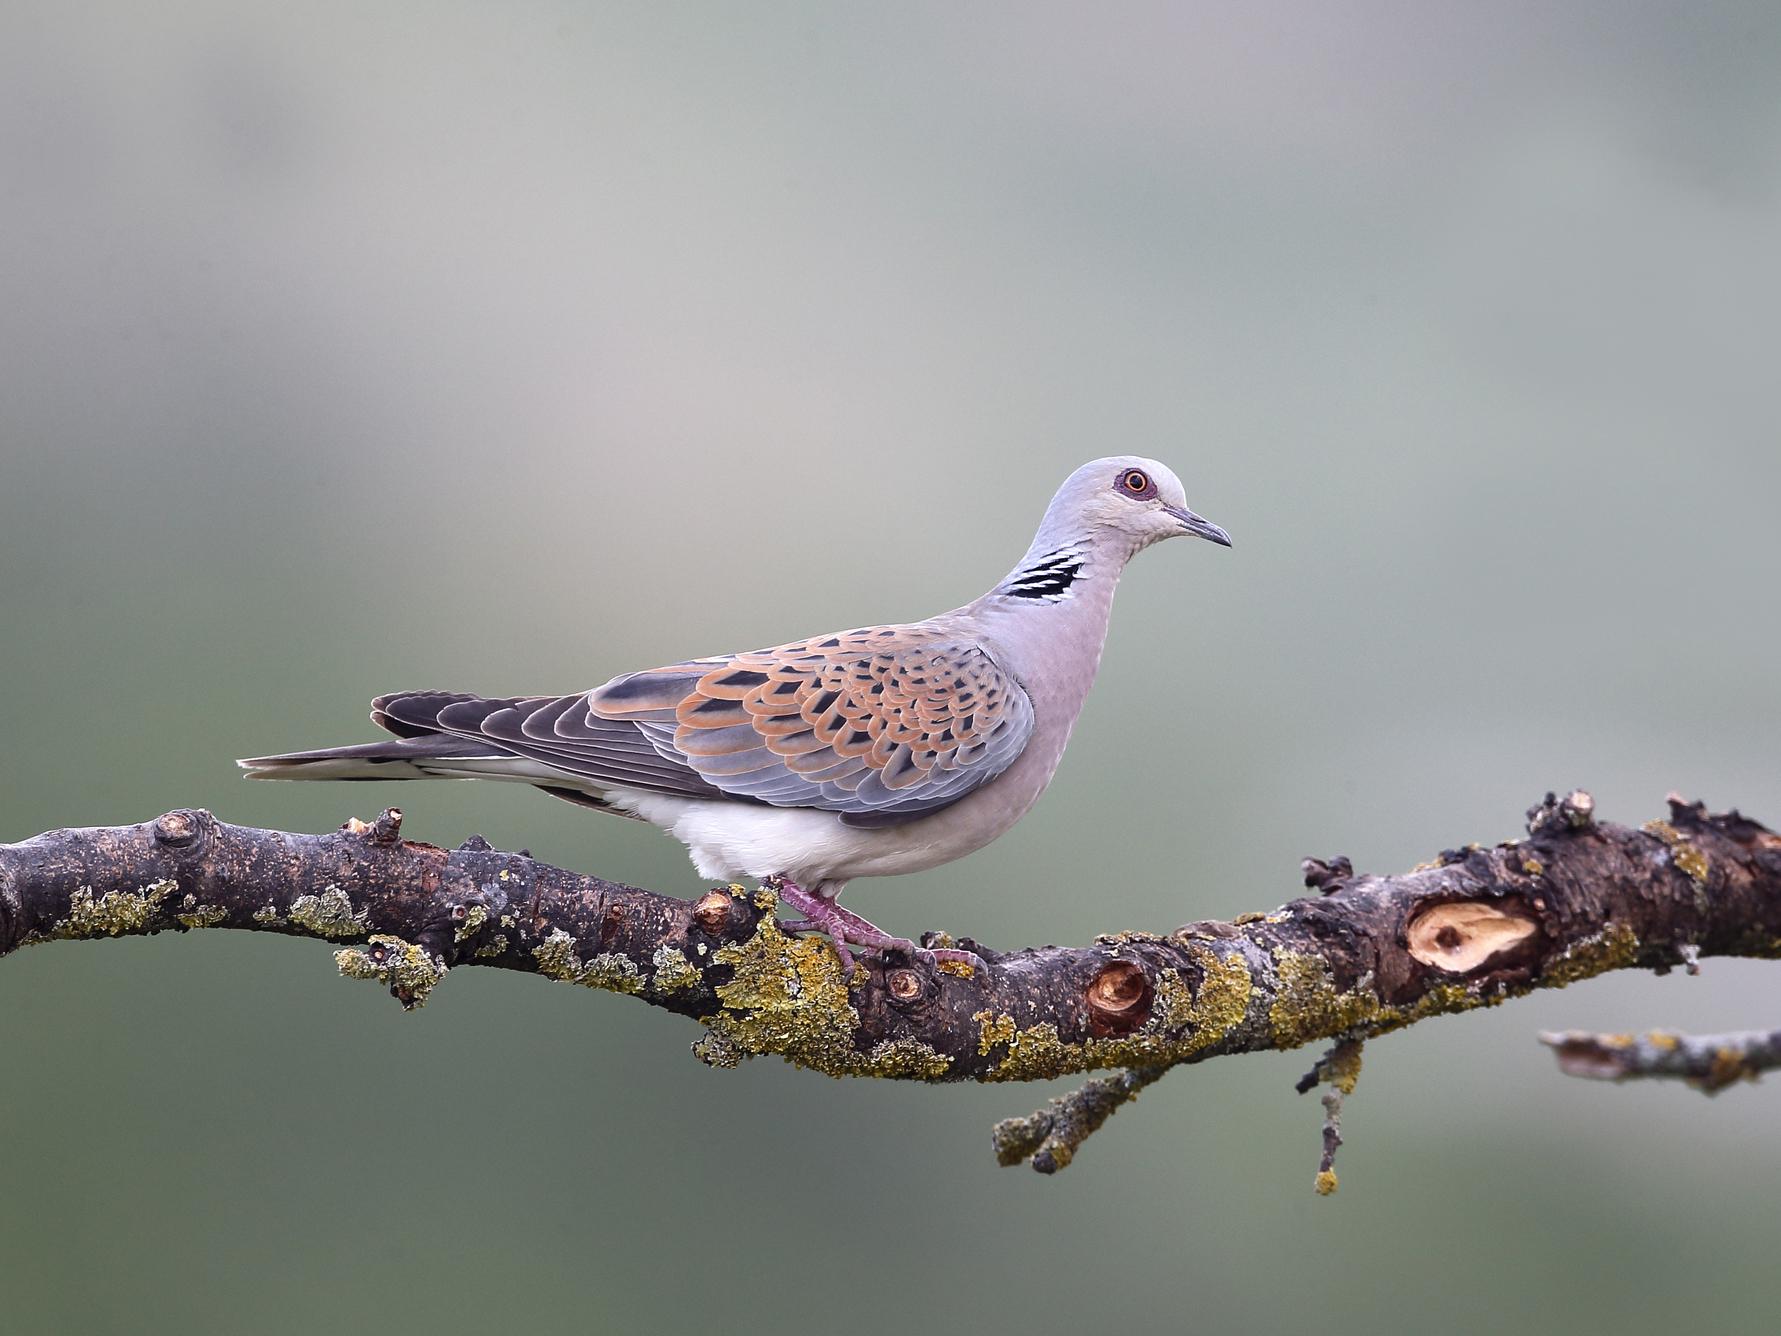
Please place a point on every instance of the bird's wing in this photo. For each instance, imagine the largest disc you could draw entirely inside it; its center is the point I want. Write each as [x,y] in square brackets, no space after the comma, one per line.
[879,725]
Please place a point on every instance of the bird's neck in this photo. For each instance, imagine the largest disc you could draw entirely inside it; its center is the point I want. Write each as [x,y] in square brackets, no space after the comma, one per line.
[1058,570]
[1049,574]
[1049,615]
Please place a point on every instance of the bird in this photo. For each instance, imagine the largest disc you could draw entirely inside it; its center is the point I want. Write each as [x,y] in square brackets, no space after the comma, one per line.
[872,752]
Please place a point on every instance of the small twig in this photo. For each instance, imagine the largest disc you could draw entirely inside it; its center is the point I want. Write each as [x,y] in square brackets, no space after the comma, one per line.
[1049,1136]
[1340,1070]
[1332,1138]
[1708,1062]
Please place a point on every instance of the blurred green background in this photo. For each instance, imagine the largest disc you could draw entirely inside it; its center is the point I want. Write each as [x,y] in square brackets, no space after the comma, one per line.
[502,347]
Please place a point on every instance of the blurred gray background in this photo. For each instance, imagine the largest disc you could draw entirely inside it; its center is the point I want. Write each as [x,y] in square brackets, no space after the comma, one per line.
[506,346]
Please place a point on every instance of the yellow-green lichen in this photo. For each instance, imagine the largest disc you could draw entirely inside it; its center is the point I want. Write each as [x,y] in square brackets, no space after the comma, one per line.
[472,924]
[1729,1066]
[787,995]
[613,972]
[673,971]
[1183,1021]
[1307,1005]
[410,970]
[113,914]
[1326,1182]
[1032,1054]
[1684,853]
[1131,937]
[1443,999]
[1219,1005]
[557,960]
[329,914]
[1692,860]
[192,914]
[992,1030]
[909,1058]
[1615,947]
[268,914]
[495,946]
[712,1049]
[1342,1068]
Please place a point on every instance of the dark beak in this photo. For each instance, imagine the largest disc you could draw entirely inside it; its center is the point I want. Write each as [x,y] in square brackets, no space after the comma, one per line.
[1199,528]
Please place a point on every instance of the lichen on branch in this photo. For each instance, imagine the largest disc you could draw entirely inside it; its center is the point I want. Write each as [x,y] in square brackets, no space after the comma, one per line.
[1361,956]
[1708,1062]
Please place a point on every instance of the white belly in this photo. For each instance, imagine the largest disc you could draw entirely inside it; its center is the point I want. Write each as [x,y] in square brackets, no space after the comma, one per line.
[729,840]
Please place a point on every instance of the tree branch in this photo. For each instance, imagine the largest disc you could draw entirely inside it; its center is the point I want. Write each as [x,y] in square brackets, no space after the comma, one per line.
[1364,956]
[1708,1062]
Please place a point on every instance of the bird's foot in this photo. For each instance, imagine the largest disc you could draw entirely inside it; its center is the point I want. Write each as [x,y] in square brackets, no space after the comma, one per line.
[845,929]
[819,915]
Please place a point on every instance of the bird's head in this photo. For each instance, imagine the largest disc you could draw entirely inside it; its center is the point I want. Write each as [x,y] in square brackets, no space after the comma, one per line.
[1134,501]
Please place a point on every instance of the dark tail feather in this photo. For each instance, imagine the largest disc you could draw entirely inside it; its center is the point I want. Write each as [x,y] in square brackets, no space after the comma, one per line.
[405,758]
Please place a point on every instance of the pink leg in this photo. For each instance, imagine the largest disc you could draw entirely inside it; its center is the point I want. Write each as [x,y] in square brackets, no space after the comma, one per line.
[845,928]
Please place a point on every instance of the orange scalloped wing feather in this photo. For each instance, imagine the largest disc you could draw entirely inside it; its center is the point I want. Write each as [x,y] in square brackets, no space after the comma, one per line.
[880,724]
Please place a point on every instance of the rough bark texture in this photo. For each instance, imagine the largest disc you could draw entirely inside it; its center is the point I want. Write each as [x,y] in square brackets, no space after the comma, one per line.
[1363,956]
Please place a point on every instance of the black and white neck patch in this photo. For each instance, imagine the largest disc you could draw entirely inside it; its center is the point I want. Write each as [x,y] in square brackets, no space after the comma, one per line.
[1048,578]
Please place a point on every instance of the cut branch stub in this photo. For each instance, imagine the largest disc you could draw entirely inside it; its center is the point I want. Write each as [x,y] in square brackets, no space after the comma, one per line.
[1575,811]
[1327,876]
[1119,998]
[387,829]
[177,829]
[711,911]
[1462,935]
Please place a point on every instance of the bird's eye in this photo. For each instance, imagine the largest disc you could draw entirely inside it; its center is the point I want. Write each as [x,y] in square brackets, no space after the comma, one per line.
[1136,482]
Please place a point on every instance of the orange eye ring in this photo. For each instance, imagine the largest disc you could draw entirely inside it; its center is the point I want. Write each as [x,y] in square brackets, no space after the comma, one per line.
[1136,481]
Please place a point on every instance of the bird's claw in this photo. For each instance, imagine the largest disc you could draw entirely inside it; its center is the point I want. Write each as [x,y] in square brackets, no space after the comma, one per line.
[938,959]
[846,930]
